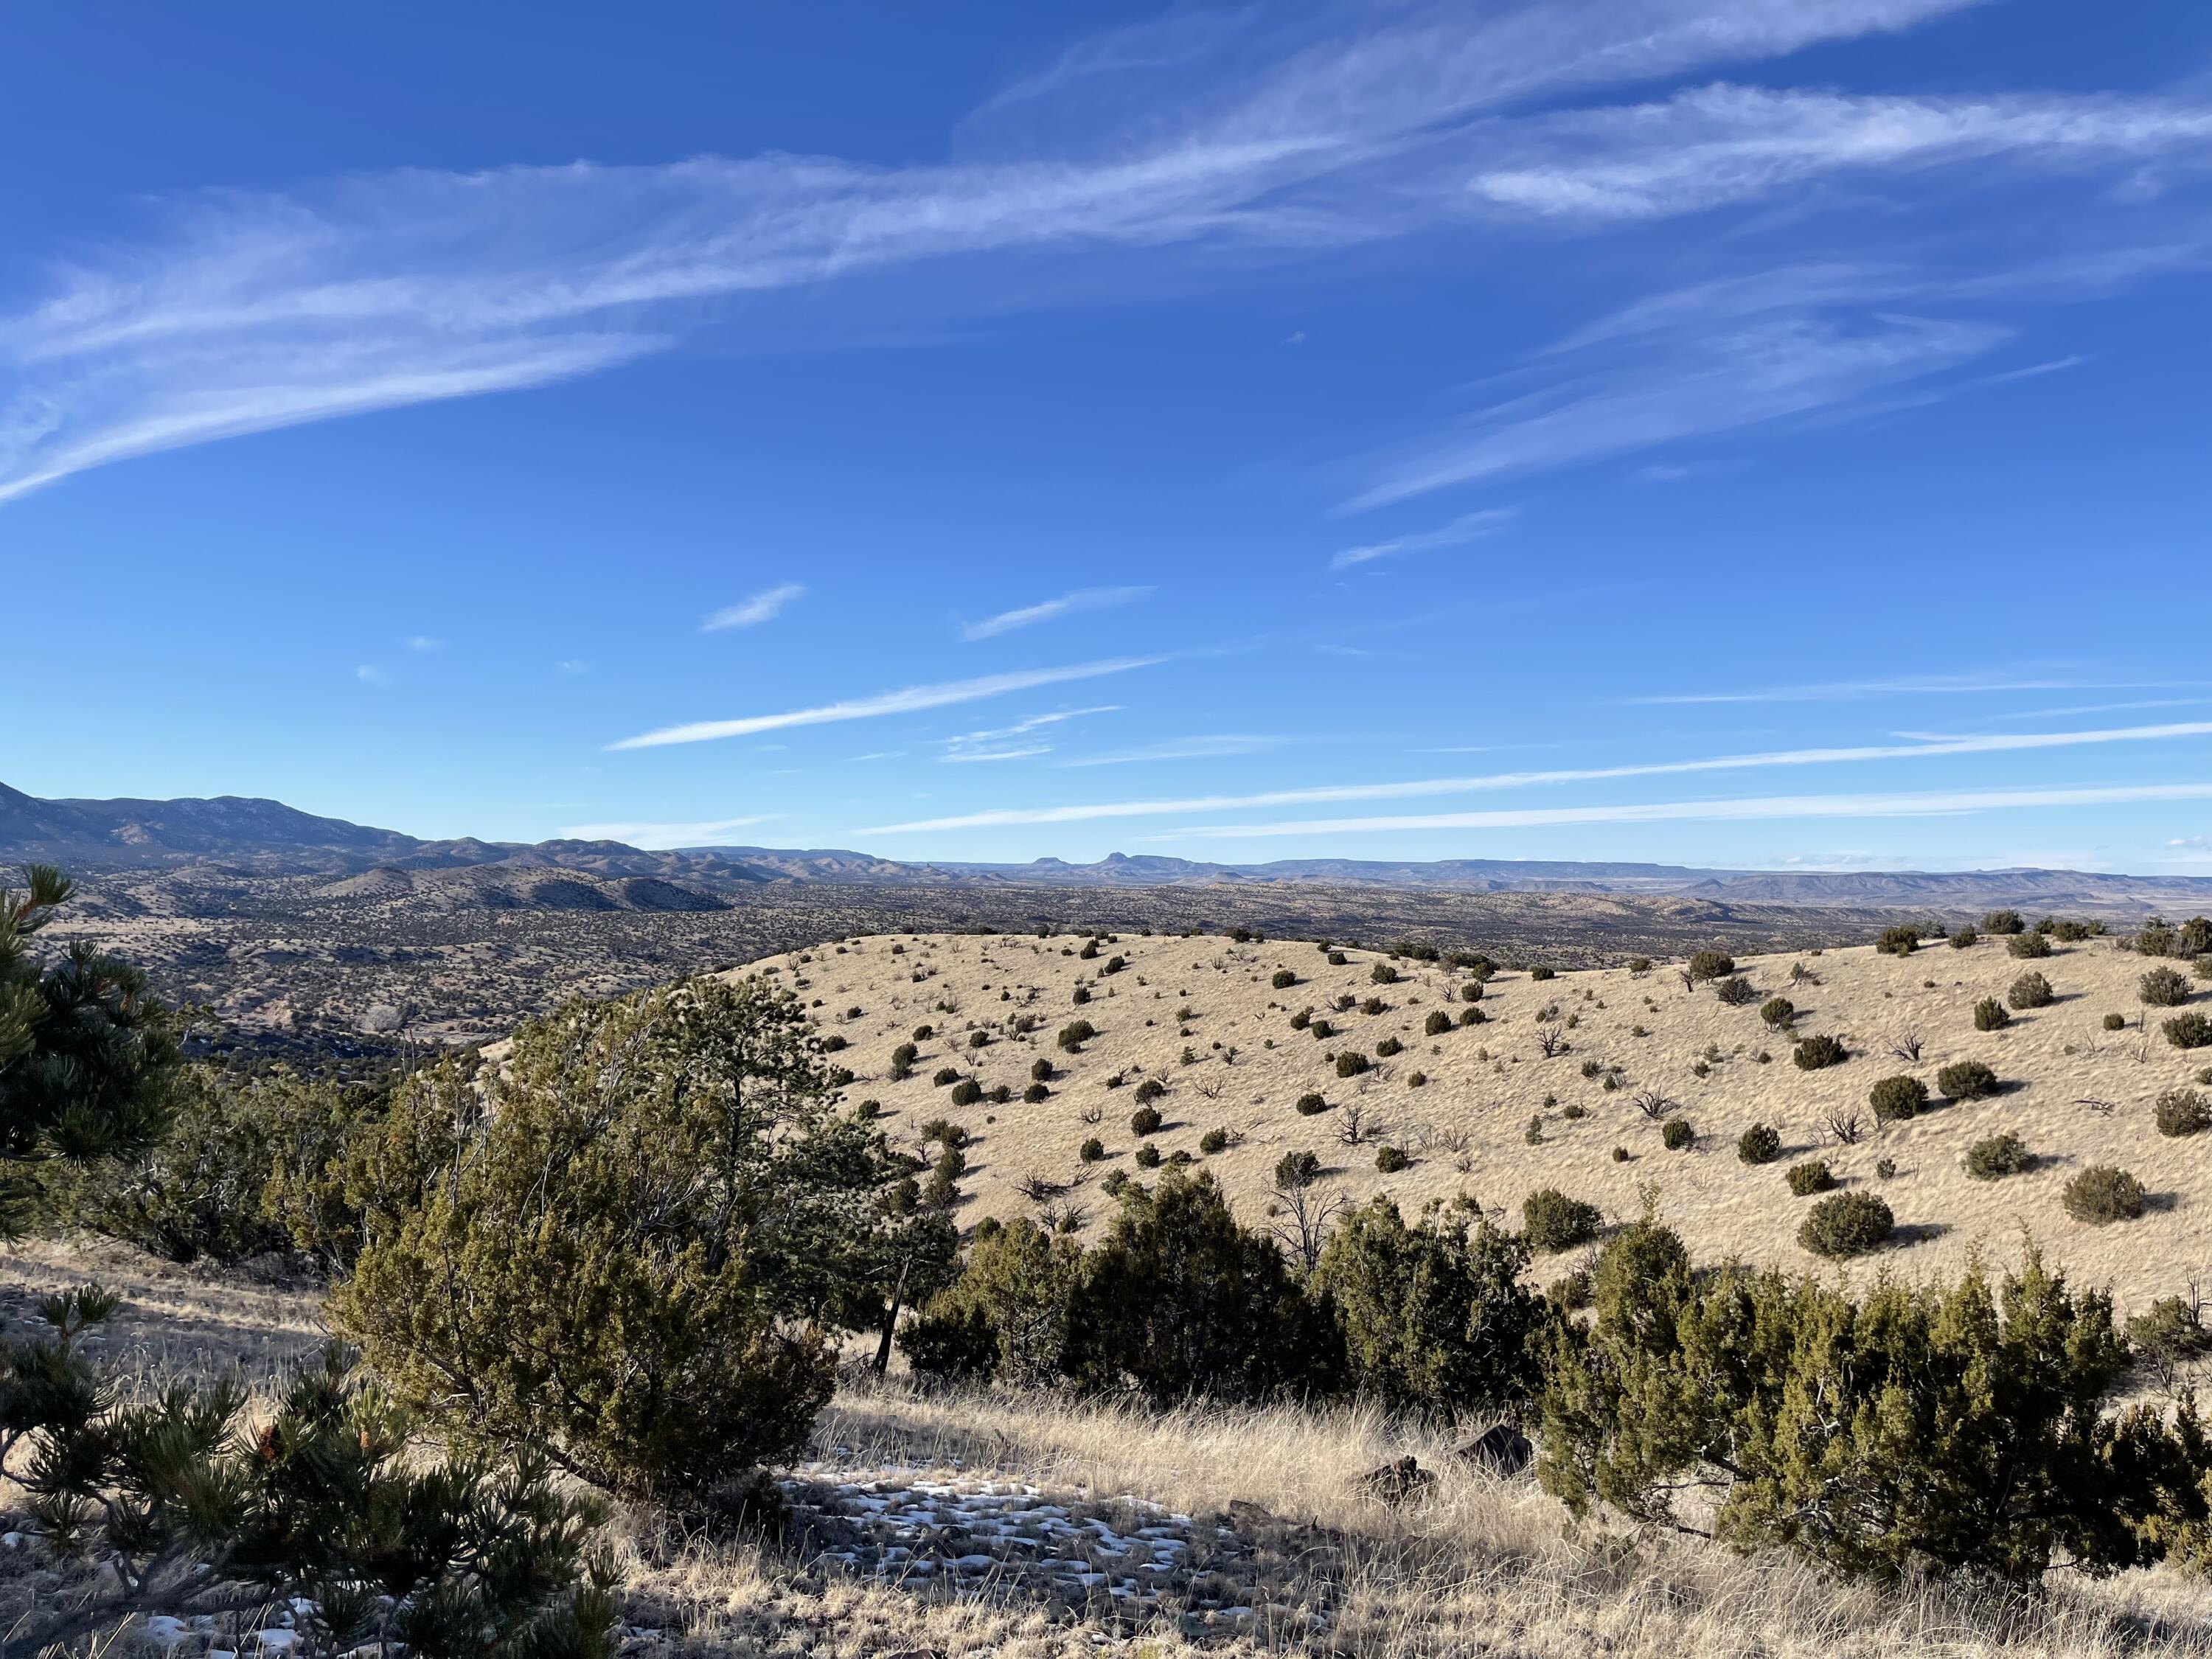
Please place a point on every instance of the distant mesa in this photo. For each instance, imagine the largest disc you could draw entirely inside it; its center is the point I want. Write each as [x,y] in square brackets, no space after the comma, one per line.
[253,836]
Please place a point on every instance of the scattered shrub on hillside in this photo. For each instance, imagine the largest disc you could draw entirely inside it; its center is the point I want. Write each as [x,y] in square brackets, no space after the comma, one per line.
[1387,1047]
[2033,947]
[1675,1135]
[1965,938]
[1778,1012]
[1998,1157]
[1884,1168]
[2003,922]
[1310,1105]
[1809,1177]
[1737,991]
[979,1039]
[1816,1053]
[1472,1017]
[1006,1316]
[1382,974]
[1434,1316]
[1091,1151]
[2182,1112]
[1284,979]
[1710,965]
[1991,1015]
[1966,1079]
[1037,1094]
[1148,1157]
[1901,940]
[1080,995]
[1323,1030]
[1391,1159]
[2189,1030]
[1472,991]
[1543,973]
[966,1092]
[1338,959]
[1301,1019]
[2031,990]
[2116,1021]
[2102,1193]
[1759,1144]
[2164,987]
[1895,1099]
[1351,1063]
[1212,1141]
[1436,1024]
[1552,1222]
[1075,1034]
[1846,1224]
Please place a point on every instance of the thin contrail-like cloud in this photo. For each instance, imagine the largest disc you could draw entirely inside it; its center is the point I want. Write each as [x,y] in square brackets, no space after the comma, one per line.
[1992,744]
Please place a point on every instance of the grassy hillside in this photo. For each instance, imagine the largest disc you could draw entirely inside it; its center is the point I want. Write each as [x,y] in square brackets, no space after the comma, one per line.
[1203,1017]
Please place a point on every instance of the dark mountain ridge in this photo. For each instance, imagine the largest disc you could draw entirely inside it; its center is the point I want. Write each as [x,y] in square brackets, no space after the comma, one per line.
[255,836]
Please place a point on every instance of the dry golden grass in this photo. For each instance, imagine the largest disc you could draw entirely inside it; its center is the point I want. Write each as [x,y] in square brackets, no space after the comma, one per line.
[1466,1128]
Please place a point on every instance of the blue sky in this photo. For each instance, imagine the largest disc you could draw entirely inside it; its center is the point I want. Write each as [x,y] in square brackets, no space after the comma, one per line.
[1746,432]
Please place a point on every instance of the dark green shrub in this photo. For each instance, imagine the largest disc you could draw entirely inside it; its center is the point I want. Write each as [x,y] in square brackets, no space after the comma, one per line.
[2116,1021]
[1336,959]
[1434,1316]
[1388,1046]
[1778,1012]
[2182,1112]
[1037,1094]
[2165,987]
[2031,946]
[1284,979]
[1543,973]
[1350,1063]
[1091,1151]
[1998,1157]
[1471,991]
[1551,1221]
[966,1092]
[1391,1159]
[1149,1089]
[979,1039]
[2101,1193]
[2031,990]
[1323,1030]
[2189,1030]
[1416,1080]
[1041,1071]
[1301,1019]
[1759,1144]
[1148,1157]
[1816,1053]
[1675,1135]
[1075,1034]
[1846,1224]
[1895,1099]
[1809,1177]
[1966,1079]
[1884,1169]
[1991,1015]
[1007,1313]
[1382,974]
[1080,995]
[2002,922]
[659,1216]
[1295,1172]
[1901,940]
[1212,1141]
[1436,1024]
[1145,1120]
[1472,1017]
[1309,1104]
[1711,964]
[1966,938]
[1737,991]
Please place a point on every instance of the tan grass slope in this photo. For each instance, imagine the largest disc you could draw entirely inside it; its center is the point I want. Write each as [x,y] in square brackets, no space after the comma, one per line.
[1202,1016]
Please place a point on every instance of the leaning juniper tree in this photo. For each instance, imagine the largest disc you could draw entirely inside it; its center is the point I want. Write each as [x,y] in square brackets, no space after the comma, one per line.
[626,1245]
[312,1511]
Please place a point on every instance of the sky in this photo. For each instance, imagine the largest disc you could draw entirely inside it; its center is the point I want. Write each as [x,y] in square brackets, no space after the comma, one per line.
[1752,433]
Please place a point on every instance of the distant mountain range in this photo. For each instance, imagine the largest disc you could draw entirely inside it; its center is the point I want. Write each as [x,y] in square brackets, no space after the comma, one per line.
[266,837]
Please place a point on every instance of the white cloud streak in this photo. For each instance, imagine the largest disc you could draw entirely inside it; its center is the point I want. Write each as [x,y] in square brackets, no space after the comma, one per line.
[2004,743]
[1068,604]
[1904,686]
[763,606]
[911,700]
[1921,804]
[1260,131]
[660,837]
[1467,527]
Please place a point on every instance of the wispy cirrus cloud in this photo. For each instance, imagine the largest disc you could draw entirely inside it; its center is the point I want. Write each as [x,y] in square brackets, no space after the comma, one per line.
[1989,744]
[1904,803]
[657,837]
[763,606]
[911,700]
[1467,527]
[1269,132]
[1909,685]
[1068,604]
[1217,745]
